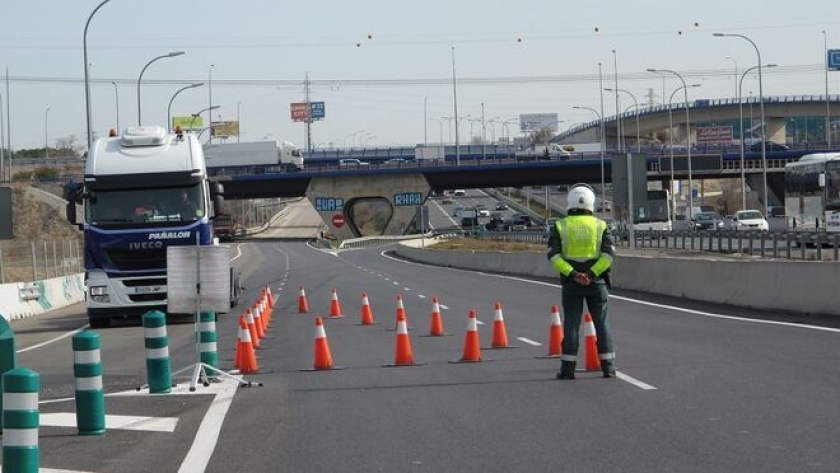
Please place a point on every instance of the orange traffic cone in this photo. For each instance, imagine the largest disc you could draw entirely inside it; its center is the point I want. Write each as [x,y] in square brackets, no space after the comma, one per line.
[247,357]
[367,313]
[500,339]
[555,339]
[259,324]
[590,347]
[400,311]
[237,351]
[404,355]
[436,329]
[252,328]
[323,357]
[303,306]
[472,349]
[335,306]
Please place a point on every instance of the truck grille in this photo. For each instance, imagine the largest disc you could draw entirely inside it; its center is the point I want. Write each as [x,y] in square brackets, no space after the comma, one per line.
[124,260]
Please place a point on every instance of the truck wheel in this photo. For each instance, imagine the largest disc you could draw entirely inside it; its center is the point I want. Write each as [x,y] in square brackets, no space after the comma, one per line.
[99,322]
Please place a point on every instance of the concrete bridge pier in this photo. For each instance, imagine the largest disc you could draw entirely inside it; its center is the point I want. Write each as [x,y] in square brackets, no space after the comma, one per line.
[360,205]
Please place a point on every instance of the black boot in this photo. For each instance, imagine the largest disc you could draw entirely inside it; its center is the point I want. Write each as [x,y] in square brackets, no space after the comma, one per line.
[567,370]
[608,368]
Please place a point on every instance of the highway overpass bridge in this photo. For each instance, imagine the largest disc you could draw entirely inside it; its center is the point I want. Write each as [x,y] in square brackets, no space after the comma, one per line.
[387,194]
[656,121]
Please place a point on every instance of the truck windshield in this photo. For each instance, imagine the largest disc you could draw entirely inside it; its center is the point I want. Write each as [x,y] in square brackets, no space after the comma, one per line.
[169,204]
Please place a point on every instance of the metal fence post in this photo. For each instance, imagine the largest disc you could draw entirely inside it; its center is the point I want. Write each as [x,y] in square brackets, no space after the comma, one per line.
[802,244]
[34,263]
[819,246]
[775,245]
[836,241]
[787,241]
[46,261]
[55,259]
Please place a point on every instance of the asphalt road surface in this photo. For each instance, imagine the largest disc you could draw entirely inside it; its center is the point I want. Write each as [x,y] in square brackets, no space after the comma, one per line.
[700,388]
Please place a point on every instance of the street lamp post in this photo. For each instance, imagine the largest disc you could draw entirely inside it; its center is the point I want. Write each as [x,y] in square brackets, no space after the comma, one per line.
[827,98]
[736,71]
[741,123]
[687,139]
[455,105]
[425,121]
[603,178]
[210,102]
[140,78]
[636,102]
[117,97]
[169,108]
[761,105]
[87,75]
[2,144]
[46,135]
[198,114]
[671,144]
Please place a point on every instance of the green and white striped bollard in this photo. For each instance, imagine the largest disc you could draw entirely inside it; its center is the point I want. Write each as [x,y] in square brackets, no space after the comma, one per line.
[7,355]
[207,340]
[90,395]
[158,368]
[21,453]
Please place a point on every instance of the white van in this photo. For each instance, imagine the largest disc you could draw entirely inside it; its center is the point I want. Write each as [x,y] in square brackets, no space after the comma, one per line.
[459,192]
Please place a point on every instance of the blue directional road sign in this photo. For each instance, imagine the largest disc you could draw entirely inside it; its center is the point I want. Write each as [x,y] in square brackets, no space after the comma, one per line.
[317,111]
[834,59]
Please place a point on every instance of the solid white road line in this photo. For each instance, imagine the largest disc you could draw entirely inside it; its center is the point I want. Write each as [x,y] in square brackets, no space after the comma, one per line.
[52,340]
[205,441]
[633,381]
[150,424]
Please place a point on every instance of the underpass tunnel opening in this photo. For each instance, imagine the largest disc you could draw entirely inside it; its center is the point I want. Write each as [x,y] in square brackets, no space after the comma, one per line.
[368,216]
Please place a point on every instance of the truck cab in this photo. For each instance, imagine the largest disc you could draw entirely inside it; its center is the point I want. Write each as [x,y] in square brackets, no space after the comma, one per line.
[142,192]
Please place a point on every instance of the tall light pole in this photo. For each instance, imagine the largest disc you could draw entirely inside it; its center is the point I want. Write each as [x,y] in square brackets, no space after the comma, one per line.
[238,122]
[198,114]
[636,102]
[603,178]
[117,98]
[671,143]
[687,139]
[46,135]
[827,98]
[761,104]
[87,75]
[140,78]
[735,62]
[425,122]
[741,123]
[210,102]
[617,105]
[455,103]
[603,142]
[169,108]
[2,143]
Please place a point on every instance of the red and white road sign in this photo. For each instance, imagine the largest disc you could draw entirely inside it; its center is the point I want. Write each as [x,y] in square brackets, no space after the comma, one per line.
[338,220]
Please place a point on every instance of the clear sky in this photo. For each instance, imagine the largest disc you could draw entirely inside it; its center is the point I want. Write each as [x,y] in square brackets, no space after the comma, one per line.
[376,62]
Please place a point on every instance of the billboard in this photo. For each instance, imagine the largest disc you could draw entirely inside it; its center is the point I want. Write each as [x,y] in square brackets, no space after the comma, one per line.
[538,121]
[714,135]
[196,123]
[224,129]
[300,111]
[317,111]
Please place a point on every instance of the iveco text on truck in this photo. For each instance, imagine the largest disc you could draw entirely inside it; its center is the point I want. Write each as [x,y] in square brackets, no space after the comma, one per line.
[142,192]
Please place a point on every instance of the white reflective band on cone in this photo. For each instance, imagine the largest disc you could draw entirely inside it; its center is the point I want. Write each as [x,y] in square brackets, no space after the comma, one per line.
[156,353]
[156,332]
[20,437]
[87,357]
[20,401]
[94,383]
[208,346]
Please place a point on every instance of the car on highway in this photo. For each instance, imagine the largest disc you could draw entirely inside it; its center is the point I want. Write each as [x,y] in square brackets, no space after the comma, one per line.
[501,205]
[459,192]
[447,200]
[352,162]
[550,223]
[768,146]
[482,210]
[707,221]
[457,209]
[519,222]
[749,220]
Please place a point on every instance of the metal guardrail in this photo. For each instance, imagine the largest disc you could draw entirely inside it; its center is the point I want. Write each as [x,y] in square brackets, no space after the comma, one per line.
[805,246]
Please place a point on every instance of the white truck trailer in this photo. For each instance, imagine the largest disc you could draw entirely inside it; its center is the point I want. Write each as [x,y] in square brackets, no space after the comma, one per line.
[271,156]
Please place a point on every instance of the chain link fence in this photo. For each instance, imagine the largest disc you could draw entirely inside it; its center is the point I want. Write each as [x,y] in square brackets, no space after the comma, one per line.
[41,259]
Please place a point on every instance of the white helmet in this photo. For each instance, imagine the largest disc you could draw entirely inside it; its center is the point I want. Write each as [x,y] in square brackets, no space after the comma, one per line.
[581,196]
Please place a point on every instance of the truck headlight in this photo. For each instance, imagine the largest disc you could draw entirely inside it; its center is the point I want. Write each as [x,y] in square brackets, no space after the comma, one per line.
[98,290]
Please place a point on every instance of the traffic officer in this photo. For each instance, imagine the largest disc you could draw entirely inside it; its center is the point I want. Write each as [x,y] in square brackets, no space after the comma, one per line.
[581,250]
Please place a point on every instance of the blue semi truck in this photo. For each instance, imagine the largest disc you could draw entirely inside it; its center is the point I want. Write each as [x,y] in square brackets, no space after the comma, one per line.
[143,191]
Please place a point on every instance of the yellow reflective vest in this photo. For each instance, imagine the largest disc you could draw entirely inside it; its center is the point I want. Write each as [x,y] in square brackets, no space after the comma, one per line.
[580,243]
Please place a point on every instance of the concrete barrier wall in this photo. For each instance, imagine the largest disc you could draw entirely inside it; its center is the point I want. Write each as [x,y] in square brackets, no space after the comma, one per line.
[46,295]
[795,286]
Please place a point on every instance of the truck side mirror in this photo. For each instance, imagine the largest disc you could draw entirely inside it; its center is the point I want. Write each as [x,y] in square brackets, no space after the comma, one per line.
[216,188]
[218,204]
[71,212]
